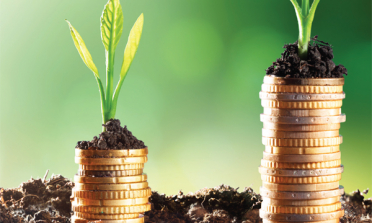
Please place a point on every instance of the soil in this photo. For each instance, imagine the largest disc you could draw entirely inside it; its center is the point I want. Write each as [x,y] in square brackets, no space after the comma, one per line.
[46,201]
[115,138]
[318,65]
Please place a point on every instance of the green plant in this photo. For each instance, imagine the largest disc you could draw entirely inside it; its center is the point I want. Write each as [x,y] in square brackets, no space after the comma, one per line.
[111,30]
[305,17]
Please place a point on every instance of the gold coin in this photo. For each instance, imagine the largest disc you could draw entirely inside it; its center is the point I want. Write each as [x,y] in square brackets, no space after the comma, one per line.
[327,208]
[304,81]
[301,217]
[301,128]
[318,202]
[305,89]
[328,221]
[110,161]
[103,202]
[105,216]
[114,173]
[302,196]
[133,166]
[129,186]
[302,113]
[300,173]
[298,135]
[301,104]
[110,180]
[301,150]
[113,210]
[303,120]
[301,97]
[111,195]
[303,187]
[301,158]
[318,165]
[319,142]
[141,219]
[111,153]
[301,180]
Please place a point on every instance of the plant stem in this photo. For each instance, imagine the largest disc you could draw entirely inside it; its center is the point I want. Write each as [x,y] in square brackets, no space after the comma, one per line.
[305,17]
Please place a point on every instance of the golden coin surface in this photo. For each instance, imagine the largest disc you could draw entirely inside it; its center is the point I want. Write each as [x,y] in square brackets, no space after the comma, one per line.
[301,150]
[319,142]
[129,186]
[317,165]
[317,202]
[301,217]
[111,195]
[300,173]
[111,153]
[304,81]
[303,120]
[298,135]
[113,173]
[305,89]
[302,113]
[301,158]
[106,216]
[110,180]
[141,219]
[301,97]
[301,180]
[303,196]
[112,210]
[133,166]
[303,187]
[301,104]
[110,161]
[276,209]
[103,202]
[301,128]
[328,221]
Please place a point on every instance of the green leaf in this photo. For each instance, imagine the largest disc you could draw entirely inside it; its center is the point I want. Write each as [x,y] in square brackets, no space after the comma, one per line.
[83,51]
[111,24]
[132,45]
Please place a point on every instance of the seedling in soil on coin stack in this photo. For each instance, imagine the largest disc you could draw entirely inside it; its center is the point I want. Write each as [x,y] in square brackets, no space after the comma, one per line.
[111,30]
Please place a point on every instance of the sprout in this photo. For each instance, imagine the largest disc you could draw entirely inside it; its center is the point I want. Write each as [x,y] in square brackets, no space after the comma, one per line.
[305,17]
[111,30]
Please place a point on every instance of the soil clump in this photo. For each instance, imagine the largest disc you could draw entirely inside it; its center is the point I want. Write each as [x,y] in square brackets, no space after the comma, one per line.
[318,65]
[115,138]
[39,201]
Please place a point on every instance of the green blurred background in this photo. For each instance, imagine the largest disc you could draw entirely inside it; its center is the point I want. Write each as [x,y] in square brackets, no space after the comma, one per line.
[191,93]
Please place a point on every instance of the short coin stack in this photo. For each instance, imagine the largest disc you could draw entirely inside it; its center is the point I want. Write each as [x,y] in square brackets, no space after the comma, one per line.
[110,186]
[301,166]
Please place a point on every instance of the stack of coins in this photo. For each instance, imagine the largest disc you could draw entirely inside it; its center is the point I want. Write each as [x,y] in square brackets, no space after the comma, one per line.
[110,186]
[301,166]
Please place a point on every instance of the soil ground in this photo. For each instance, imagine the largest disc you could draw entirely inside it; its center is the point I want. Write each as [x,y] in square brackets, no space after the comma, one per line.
[46,201]
[319,63]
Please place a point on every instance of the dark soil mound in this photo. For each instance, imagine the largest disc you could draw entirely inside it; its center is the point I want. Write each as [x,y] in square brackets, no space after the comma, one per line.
[115,138]
[219,204]
[37,201]
[318,65]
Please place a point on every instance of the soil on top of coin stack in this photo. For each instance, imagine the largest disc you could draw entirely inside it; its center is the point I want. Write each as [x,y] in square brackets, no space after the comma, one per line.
[36,201]
[115,138]
[318,65]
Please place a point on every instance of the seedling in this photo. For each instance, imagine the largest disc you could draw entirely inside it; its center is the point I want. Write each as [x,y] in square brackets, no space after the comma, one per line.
[305,17]
[111,30]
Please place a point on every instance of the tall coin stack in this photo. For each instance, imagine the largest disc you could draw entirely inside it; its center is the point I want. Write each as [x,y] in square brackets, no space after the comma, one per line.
[301,166]
[110,186]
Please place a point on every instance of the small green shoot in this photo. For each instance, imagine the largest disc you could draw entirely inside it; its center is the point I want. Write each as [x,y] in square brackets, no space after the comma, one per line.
[305,16]
[111,29]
